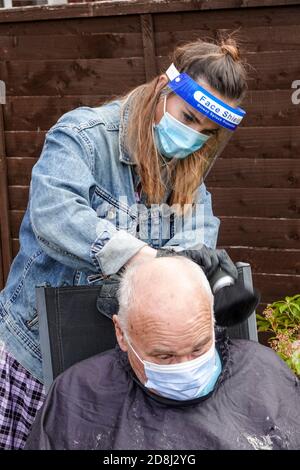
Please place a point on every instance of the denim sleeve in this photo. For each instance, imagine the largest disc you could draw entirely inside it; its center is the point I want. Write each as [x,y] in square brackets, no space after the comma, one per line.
[198,227]
[64,223]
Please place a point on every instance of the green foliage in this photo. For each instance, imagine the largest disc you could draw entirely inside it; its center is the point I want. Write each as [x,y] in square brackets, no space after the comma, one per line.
[282,318]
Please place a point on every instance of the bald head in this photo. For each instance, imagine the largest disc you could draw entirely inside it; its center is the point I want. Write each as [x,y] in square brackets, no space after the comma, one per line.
[166,310]
[165,289]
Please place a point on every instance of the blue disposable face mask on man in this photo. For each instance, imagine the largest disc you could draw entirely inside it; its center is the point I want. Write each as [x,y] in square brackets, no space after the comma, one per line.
[185,380]
[175,139]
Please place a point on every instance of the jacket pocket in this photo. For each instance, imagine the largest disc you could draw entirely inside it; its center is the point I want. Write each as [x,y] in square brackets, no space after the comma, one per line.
[114,210]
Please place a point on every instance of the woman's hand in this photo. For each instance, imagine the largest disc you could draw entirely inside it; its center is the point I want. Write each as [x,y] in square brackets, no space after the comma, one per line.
[208,258]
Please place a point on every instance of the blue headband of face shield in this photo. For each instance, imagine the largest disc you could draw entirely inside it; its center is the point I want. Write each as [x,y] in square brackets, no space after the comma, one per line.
[209,105]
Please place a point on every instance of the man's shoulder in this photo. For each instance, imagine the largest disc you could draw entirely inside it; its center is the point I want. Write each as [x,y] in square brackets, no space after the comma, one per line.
[252,349]
[251,346]
[254,356]
[101,372]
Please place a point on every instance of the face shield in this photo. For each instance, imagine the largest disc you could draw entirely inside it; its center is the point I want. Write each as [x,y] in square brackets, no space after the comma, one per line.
[226,117]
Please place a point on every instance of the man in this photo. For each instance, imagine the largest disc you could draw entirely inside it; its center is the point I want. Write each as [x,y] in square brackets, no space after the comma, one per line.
[174,381]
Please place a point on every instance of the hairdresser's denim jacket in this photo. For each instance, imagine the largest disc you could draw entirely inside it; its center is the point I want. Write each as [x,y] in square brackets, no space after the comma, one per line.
[82,221]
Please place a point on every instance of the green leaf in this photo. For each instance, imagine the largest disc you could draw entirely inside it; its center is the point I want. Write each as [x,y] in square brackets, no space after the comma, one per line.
[263,324]
[296,366]
[282,308]
[277,305]
[260,317]
[297,307]
[284,358]
[296,297]
[263,328]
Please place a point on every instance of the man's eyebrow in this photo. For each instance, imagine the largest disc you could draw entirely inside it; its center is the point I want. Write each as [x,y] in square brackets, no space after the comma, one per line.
[199,345]
[202,343]
[161,351]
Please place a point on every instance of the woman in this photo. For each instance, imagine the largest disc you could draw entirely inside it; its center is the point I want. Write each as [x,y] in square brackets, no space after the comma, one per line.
[96,200]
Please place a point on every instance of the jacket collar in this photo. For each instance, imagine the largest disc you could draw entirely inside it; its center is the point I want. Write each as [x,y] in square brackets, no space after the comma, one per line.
[125,156]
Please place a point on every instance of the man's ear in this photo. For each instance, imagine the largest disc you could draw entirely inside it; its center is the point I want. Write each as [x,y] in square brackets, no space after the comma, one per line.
[162,82]
[119,334]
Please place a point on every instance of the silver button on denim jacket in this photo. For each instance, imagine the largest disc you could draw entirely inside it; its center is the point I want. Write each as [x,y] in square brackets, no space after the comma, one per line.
[82,220]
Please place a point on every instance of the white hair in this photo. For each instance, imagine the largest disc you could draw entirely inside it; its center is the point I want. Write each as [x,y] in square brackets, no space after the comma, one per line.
[127,295]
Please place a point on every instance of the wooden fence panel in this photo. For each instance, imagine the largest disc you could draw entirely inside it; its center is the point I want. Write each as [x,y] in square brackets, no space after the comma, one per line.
[27,112]
[254,143]
[226,173]
[5,236]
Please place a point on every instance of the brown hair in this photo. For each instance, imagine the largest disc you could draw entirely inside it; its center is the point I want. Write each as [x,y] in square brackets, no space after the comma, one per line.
[218,65]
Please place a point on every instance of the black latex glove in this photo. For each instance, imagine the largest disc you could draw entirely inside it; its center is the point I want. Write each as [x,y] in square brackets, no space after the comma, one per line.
[107,301]
[209,260]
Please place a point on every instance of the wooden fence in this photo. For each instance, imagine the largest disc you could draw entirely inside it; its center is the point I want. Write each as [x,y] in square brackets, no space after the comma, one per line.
[53,59]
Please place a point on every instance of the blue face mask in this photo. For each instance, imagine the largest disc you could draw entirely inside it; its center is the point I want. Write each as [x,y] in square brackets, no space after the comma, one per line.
[175,139]
[185,380]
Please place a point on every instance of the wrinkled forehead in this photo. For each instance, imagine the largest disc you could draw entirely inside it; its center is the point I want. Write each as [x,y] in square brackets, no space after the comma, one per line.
[178,333]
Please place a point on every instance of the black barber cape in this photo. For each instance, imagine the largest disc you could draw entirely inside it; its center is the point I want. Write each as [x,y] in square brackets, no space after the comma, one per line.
[99,404]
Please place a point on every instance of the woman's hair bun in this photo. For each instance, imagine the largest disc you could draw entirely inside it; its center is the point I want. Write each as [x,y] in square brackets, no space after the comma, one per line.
[230,47]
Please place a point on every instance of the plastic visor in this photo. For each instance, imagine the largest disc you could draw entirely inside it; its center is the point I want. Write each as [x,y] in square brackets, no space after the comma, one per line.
[216,110]
[209,105]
